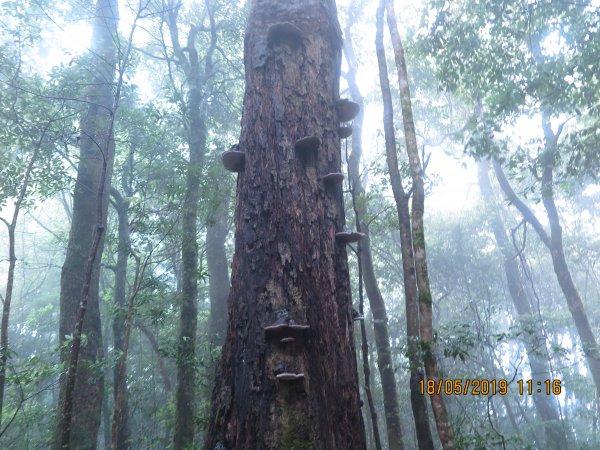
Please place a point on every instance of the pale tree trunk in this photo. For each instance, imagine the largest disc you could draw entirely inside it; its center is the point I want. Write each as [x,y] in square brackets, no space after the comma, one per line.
[376,302]
[534,340]
[419,406]
[218,273]
[418,235]
[120,298]
[82,387]
[290,272]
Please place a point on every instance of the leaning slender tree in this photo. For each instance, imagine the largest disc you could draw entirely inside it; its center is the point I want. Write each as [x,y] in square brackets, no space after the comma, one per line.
[287,377]
[415,261]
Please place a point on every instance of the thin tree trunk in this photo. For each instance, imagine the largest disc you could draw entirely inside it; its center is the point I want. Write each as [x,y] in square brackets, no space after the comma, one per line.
[120,386]
[376,302]
[289,269]
[218,273]
[12,262]
[419,406]
[188,59]
[81,389]
[162,369]
[561,269]
[418,235]
[123,432]
[365,355]
[534,341]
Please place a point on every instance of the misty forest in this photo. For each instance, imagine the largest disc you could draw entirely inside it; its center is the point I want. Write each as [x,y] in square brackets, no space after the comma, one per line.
[299,224]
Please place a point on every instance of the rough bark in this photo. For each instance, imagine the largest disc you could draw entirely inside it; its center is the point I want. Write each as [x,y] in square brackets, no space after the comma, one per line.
[81,389]
[555,246]
[123,432]
[287,261]
[376,302]
[418,403]
[418,235]
[533,339]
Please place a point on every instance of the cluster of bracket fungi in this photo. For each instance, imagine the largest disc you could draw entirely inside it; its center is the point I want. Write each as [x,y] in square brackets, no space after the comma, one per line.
[286,331]
[234,160]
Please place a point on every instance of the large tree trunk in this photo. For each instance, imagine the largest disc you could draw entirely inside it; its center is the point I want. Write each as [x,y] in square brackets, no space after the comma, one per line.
[376,302]
[288,265]
[95,166]
[418,235]
[419,406]
[534,341]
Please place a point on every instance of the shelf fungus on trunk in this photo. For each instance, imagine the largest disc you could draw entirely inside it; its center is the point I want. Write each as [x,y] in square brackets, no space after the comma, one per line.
[286,329]
[348,237]
[346,109]
[345,132]
[333,178]
[284,32]
[288,376]
[307,145]
[356,315]
[233,159]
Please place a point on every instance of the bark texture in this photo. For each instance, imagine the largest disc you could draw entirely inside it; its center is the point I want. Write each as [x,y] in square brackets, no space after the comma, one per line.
[95,166]
[418,402]
[376,302]
[288,264]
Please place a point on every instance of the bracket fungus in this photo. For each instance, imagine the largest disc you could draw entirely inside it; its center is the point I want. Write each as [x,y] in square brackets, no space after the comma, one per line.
[345,132]
[233,160]
[288,376]
[356,315]
[307,144]
[286,328]
[284,32]
[334,177]
[348,237]
[346,109]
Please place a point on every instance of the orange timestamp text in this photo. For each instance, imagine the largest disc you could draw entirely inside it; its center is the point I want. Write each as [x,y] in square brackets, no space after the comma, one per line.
[468,386]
